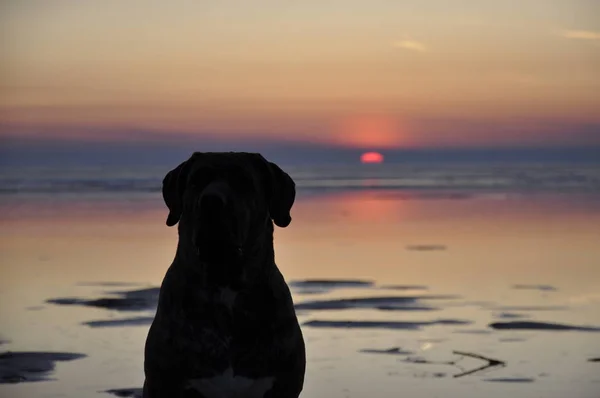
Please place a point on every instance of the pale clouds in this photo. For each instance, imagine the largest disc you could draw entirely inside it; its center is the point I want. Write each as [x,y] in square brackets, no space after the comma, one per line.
[411,45]
[581,34]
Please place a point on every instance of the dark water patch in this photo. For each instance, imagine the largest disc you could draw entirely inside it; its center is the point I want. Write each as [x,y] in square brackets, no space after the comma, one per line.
[327,283]
[429,375]
[512,340]
[389,351]
[111,323]
[533,325]
[594,359]
[510,380]
[23,367]
[319,286]
[119,304]
[382,324]
[402,303]
[126,392]
[544,288]
[108,284]
[149,294]
[310,291]
[426,248]
[134,300]
[510,315]
[472,331]
[531,308]
[404,287]
[363,325]
[408,308]
[478,304]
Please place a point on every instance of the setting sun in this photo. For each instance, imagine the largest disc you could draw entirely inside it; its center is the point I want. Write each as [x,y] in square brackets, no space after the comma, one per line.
[371,157]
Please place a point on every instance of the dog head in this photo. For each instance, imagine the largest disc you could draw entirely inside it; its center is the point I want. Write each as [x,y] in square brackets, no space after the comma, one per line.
[225,201]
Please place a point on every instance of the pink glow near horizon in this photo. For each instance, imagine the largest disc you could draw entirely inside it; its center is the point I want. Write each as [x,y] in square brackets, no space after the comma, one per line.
[454,75]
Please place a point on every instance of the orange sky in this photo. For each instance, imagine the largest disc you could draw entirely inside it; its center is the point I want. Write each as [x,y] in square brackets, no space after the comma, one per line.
[355,73]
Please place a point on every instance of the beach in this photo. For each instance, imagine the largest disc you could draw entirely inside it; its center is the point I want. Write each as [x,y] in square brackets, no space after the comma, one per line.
[403,286]
[445,235]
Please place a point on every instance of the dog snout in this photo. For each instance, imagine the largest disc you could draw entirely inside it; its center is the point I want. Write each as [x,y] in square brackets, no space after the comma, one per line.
[212,203]
[214,198]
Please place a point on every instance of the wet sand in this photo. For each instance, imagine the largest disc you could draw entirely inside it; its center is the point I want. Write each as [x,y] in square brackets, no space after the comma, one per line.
[391,291]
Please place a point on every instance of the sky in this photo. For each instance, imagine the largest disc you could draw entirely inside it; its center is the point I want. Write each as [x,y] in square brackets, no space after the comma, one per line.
[376,74]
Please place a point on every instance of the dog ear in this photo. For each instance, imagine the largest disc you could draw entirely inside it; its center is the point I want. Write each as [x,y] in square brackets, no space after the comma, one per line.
[282,195]
[173,187]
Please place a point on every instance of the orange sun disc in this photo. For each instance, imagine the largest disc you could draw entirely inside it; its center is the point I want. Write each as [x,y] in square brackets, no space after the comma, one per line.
[371,157]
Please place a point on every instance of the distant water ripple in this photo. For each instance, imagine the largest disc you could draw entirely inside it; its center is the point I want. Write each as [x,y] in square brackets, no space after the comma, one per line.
[521,178]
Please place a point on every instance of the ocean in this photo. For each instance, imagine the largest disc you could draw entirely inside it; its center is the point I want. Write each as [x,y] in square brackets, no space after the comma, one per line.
[478,177]
[410,279]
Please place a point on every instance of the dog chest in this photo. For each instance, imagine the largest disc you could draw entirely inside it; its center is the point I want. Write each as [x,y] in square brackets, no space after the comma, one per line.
[226,297]
[229,385]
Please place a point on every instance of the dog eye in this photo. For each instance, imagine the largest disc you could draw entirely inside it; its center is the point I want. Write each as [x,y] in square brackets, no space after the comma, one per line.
[244,183]
[202,178]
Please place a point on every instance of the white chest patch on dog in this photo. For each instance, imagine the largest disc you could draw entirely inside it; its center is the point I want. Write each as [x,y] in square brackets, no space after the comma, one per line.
[226,385]
[227,297]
